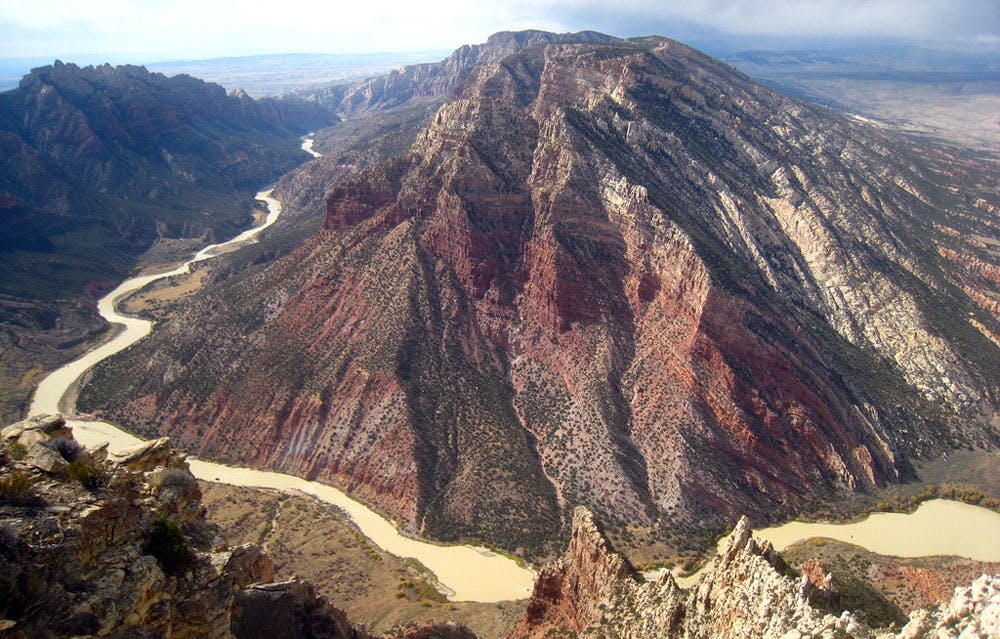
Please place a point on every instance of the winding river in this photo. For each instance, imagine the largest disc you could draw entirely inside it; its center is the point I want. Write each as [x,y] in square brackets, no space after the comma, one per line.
[464,573]
[468,573]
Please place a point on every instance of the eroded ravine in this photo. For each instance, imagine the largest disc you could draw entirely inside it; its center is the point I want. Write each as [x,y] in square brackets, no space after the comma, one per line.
[464,573]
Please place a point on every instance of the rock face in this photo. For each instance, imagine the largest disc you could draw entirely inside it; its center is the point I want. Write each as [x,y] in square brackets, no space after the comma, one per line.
[573,591]
[971,612]
[99,163]
[619,274]
[745,595]
[119,547]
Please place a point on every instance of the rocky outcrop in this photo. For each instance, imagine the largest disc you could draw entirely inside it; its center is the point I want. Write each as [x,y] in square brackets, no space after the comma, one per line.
[574,591]
[290,610]
[98,164]
[119,547]
[746,594]
[972,612]
[614,273]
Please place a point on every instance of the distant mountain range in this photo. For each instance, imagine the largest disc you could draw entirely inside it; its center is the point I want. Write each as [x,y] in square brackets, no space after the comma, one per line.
[564,269]
[264,75]
[99,163]
[258,75]
[947,95]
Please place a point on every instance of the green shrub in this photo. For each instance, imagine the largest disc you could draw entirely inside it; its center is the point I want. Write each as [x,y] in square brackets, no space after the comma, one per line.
[176,478]
[88,474]
[15,486]
[860,596]
[68,449]
[168,543]
[16,450]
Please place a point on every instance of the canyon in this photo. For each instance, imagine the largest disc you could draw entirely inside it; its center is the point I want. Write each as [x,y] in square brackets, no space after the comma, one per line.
[583,270]
[586,300]
[117,544]
[104,168]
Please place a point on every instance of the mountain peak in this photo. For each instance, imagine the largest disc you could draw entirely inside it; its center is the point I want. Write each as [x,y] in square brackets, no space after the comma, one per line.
[616,275]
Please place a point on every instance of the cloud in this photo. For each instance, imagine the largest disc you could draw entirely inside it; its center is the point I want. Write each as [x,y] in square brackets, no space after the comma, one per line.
[201,28]
[839,18]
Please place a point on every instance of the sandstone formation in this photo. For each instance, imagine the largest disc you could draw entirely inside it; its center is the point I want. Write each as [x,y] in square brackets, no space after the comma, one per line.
[418,82]
[747,594]
[119,547]
[616,273]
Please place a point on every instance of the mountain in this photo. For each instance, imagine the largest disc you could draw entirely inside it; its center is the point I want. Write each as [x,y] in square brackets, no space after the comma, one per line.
[607,272]
[100,163]
[947,95]
[750,592]
[426,81]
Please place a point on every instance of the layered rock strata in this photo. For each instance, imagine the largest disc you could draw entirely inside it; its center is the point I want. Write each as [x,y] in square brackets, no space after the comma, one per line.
[614,273]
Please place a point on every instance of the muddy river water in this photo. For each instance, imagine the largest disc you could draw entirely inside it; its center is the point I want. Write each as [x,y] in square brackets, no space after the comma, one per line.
[469,573]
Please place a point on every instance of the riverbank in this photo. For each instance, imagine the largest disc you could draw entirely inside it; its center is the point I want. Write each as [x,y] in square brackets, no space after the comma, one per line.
[465,573]
[938,527]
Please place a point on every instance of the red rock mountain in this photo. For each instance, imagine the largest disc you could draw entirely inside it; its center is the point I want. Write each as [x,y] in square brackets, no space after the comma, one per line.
[612,273]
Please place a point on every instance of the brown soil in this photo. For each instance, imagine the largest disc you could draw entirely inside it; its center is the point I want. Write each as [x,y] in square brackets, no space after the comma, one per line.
[316,542]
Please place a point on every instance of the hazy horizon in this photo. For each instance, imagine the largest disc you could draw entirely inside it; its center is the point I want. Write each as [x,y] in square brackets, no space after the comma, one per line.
[181,30]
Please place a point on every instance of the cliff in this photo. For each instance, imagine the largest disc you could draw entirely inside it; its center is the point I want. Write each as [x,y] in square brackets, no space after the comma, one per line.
[98,164]
[420,82]
[612,273]
[118,546]
[749,593]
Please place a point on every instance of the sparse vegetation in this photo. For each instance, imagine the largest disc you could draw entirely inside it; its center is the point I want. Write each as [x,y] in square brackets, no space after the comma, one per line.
[885,588]
[168,543]
[314,542]
[858,595]
[15,485]
[89,474]
[16,450]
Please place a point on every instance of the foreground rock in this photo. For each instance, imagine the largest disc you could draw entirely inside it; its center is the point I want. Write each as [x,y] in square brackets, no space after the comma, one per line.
[973,612]
[120,548]
[749,593]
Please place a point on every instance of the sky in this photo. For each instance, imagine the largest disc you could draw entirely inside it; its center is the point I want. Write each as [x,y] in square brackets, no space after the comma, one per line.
[151,30]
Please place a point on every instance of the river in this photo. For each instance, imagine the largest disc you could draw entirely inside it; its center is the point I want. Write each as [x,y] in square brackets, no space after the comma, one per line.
[464,573]
[469,573]
[936,527]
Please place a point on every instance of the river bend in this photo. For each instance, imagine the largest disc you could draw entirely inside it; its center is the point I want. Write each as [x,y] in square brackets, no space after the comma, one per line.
[464,573]
[468,573]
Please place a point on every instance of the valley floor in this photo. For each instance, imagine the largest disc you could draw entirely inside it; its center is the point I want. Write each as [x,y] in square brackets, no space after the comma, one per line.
[314,541]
